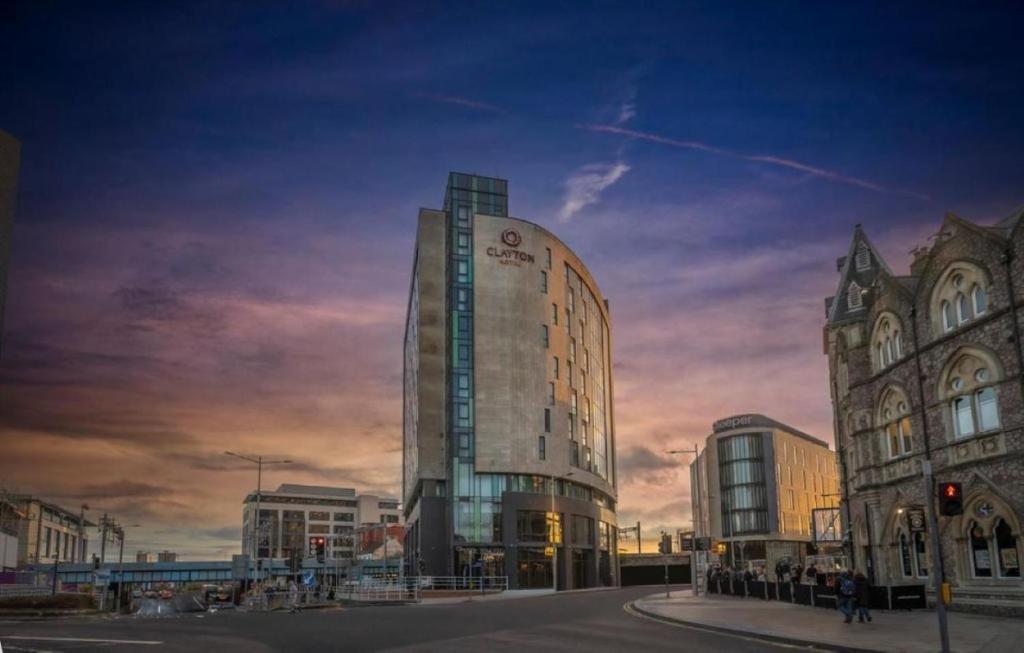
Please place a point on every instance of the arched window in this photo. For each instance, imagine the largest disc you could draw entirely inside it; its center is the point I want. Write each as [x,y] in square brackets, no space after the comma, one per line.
[963,310]
[969,385]
[906,565]
[980,299]
[947,316]
[959,296]
[992,539]
[887,341]
[920,555]
[894,416]
[1006,550]
[981,556]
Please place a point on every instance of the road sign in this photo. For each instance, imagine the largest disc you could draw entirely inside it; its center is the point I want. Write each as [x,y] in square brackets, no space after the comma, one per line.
[239,566]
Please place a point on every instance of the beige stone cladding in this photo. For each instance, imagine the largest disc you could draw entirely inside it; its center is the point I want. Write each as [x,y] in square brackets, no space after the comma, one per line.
[928,367]
[424,364]
[518,291]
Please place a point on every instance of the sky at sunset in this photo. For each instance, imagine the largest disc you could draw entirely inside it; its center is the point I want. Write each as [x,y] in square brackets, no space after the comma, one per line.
[217,208]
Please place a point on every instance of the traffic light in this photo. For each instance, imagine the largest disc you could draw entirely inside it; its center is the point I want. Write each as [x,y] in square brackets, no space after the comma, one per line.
[951,499]
[317,546]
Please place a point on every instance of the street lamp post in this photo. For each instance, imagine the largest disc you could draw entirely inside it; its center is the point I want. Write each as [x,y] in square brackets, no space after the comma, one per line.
[693,522]
[259,462]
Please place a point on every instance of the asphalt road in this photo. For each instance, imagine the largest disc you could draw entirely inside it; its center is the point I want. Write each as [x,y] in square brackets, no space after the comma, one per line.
[581,621]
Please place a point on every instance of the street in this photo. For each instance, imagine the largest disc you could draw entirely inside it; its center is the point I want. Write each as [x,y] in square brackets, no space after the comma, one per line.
[583,621]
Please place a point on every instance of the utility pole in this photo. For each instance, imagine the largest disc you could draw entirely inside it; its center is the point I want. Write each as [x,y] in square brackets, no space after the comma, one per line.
[81,534]
[937,571]
[639,548]
[103,540]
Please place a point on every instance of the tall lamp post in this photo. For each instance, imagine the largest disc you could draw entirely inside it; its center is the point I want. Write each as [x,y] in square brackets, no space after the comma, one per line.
[259,462]
[693,521]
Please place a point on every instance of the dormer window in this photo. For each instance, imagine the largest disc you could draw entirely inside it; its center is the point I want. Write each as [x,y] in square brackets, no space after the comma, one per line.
[853,296]
[862,258]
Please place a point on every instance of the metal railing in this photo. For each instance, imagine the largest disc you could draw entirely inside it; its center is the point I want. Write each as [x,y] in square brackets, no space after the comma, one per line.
[283,600]
[462,583]
[11,591]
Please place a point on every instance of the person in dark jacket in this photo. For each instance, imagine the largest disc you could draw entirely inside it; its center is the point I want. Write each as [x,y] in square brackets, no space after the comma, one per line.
[862,596]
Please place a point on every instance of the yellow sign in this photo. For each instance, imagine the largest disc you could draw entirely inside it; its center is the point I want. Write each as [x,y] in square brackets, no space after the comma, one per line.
[947,593]
[549,551]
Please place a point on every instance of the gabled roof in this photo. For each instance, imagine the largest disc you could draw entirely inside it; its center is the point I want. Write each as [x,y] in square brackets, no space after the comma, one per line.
[838,308]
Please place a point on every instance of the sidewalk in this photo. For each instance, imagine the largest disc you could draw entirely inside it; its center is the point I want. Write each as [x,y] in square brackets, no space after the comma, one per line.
[507,595]
[889,632]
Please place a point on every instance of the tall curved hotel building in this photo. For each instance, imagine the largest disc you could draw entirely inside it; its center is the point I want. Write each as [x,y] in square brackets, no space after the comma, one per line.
[509,439]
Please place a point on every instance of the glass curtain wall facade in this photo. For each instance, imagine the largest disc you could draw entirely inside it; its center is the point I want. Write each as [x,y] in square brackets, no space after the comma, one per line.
[475,499]
[741,467]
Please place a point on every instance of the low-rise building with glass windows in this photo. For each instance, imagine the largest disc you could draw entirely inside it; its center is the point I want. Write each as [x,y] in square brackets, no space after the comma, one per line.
[509,442]
[927,367]
[755,485]
[292,515]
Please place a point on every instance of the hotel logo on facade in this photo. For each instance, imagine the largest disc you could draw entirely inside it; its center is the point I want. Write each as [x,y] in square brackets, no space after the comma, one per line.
[510,255]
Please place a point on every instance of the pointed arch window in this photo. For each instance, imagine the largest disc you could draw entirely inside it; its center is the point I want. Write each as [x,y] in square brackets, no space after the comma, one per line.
[1007,551]
[960,296]
[980,300]
[920,555]
[963,309]
[906,563]
[981,555]
[948,322]
[894,415]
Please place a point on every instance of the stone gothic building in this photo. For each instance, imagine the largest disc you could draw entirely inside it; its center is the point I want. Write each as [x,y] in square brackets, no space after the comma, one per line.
[928,366]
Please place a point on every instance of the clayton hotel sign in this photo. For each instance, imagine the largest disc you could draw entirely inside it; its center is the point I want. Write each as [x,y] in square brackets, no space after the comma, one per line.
[509,254]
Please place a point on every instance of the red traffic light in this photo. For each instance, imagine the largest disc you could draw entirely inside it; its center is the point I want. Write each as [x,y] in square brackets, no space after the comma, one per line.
[951,500]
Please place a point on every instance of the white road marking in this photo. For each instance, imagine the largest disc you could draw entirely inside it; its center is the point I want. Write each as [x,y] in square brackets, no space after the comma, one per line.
[79,639]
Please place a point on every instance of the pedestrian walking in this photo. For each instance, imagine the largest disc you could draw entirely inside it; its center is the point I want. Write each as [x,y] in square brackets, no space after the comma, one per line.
[862,597]
[293,597]
[847,590]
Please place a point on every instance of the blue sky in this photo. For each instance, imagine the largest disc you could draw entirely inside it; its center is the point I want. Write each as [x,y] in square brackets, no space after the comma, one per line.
[216,214]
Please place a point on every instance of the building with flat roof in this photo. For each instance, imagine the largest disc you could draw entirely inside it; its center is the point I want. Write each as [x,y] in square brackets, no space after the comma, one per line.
[292,515]
[508,432]
[44,531]
[756,483]
[10,160]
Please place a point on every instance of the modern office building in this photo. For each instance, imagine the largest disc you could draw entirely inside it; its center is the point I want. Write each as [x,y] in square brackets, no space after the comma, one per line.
[756,483]
[509,441]
[10,158]
[293,514]
[927,367]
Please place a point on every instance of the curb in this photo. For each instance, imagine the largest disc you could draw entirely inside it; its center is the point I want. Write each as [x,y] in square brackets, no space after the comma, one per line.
[776,639]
